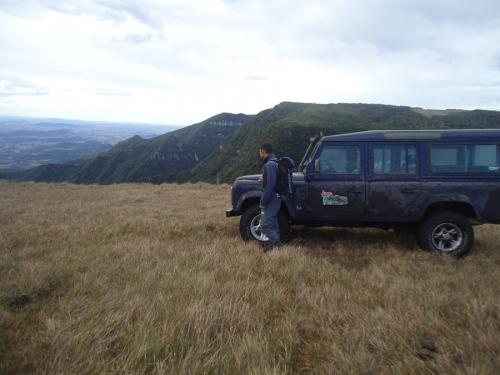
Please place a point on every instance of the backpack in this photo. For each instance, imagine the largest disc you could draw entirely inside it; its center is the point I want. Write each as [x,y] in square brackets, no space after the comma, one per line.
[286,165]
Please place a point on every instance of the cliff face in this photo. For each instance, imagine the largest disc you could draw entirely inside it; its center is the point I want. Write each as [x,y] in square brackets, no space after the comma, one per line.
[136,159]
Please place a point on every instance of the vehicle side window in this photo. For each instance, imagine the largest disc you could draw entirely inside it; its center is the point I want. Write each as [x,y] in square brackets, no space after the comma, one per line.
[340,159]
[483,158]
[394,159]
[464,158]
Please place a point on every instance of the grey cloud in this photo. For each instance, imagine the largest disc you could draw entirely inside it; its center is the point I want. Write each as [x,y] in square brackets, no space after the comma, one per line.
[144,13]
[114,10]
[480,13]
[15,86]
[388,25]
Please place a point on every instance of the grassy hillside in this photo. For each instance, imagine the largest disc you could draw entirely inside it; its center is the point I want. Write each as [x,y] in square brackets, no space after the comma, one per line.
[139,278]
[136,159]
[289,126]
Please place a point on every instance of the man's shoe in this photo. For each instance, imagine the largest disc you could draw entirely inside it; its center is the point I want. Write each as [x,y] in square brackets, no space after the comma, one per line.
[266,246]
[269,247]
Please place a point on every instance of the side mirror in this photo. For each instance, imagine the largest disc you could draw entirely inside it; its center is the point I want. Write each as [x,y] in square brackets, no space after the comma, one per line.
[317,166]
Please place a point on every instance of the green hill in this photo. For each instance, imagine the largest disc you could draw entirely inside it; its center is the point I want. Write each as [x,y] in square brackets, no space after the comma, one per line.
[288,126]
[225,146]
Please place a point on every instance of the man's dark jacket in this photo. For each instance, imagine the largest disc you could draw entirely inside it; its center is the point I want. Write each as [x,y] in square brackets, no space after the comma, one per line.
[269,179]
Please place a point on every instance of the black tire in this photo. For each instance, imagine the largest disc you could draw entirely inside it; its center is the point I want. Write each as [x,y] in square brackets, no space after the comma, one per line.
[251,212]
[458,233]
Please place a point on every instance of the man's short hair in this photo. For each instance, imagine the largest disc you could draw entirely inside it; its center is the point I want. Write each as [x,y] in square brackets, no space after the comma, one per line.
[268,149]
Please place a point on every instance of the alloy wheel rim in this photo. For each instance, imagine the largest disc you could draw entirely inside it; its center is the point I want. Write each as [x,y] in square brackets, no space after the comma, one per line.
[447,237]
[256,229]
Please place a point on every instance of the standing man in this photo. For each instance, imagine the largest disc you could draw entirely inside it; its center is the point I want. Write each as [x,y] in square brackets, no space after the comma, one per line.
[270,201]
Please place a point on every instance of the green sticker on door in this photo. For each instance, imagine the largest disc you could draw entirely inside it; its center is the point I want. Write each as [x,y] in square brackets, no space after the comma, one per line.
[330,199]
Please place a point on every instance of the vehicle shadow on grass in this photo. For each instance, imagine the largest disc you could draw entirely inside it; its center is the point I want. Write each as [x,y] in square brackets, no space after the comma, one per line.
[354,248]
[363,237]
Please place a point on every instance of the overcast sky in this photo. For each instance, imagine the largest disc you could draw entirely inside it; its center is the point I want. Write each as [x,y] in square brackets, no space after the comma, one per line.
[179,62]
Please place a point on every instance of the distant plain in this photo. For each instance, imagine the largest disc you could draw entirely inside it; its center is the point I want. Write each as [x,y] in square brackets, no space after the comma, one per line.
[29,142]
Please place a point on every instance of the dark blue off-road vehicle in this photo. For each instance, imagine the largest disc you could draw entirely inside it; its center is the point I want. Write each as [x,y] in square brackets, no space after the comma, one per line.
[437,183]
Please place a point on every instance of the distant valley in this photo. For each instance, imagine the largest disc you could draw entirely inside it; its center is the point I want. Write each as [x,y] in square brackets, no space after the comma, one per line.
[29,142]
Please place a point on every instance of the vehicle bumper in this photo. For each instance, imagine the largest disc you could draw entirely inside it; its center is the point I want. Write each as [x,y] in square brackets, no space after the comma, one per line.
[231,212]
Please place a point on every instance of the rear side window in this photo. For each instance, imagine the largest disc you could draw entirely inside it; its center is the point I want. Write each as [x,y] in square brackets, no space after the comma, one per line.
[394,159]
[465,158]
[340,159]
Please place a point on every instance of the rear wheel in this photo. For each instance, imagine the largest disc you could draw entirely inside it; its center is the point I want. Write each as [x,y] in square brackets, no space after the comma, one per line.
[446,232]
[250,228]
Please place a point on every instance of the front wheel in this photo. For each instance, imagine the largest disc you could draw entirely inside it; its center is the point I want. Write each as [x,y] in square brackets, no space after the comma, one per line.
[446,232]
[250,228]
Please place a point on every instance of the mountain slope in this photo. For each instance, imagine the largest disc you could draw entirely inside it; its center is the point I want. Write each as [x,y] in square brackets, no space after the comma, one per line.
[136,159]
[288,126]
[226,146]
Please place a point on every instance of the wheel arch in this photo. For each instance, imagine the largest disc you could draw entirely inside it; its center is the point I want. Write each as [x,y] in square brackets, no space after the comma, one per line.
[255,199]
[250,201]
[460,206]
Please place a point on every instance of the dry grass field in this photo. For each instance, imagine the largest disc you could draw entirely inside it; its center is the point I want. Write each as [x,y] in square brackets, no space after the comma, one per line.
[154,279]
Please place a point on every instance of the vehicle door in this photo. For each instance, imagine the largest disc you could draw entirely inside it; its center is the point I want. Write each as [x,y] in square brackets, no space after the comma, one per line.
[336,182]
[394,189]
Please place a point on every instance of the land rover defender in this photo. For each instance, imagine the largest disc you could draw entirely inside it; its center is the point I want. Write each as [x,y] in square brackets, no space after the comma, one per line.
[437,183]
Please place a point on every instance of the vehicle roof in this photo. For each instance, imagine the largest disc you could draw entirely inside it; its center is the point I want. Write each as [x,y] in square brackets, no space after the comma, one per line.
[417,135]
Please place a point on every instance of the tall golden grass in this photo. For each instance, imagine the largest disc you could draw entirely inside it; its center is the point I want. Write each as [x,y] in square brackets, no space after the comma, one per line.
[154,279]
